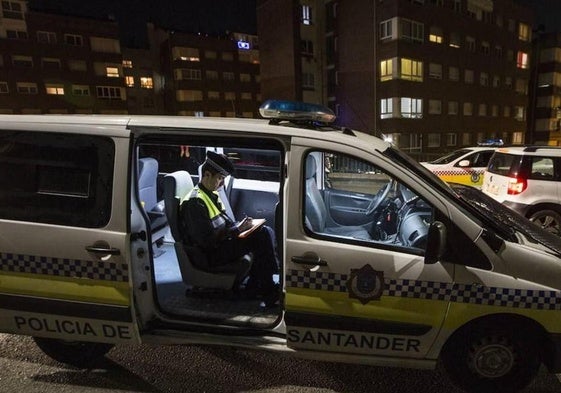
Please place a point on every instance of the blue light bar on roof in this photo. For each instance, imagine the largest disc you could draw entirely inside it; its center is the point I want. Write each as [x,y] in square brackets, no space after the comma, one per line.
[294,110]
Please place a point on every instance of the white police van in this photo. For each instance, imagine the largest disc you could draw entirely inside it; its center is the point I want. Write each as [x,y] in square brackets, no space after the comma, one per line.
[382,263]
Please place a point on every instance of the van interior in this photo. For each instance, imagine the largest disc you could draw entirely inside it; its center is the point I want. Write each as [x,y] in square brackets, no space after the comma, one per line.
[167,171]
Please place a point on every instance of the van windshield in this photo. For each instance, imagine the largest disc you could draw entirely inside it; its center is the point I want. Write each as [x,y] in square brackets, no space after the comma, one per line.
[491,213]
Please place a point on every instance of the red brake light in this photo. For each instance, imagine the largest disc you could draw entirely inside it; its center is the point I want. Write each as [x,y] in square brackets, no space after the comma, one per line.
[516,186]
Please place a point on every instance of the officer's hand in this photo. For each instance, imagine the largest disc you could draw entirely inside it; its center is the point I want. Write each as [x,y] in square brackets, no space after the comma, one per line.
[245,224]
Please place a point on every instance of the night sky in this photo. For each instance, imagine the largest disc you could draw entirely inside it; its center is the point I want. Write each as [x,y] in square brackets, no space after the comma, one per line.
[213,17]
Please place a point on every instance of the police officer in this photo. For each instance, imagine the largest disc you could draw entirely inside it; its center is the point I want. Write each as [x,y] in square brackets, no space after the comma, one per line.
[208,227]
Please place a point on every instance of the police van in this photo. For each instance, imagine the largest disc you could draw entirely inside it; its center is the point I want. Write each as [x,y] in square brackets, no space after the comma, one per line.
[381,262]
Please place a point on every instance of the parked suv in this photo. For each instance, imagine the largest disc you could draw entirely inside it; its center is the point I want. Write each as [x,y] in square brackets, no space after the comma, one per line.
[527,179]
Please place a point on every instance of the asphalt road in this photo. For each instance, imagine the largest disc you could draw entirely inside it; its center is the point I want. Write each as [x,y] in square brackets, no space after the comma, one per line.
[146,369]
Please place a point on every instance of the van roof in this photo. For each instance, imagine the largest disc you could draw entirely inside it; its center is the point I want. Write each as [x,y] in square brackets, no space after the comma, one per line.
[121,125]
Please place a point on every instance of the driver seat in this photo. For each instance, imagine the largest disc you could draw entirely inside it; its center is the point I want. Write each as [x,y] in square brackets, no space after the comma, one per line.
[317,217]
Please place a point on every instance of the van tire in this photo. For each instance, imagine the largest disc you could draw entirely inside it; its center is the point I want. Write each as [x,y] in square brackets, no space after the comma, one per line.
[548,219]
[75,353]
[485,359]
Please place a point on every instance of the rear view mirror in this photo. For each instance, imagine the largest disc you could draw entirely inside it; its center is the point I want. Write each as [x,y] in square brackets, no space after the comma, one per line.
[436,243]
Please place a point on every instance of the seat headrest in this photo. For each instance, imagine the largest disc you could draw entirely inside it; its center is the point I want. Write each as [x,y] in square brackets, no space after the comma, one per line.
[181,183]
[147,171]
[310,167]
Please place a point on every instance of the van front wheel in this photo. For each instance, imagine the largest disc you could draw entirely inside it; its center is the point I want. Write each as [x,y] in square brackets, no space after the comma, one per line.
[75,353]
[491,360]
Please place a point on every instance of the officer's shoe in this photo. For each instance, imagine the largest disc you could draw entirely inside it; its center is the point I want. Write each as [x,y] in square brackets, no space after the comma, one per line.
[272,299]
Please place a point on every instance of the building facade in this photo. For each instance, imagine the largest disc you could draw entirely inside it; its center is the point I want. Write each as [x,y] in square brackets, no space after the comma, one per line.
[55,64]
[545,121]
[52,63]
[430,75]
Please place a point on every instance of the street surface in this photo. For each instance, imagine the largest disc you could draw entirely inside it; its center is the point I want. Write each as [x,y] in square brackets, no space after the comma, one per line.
[146,369]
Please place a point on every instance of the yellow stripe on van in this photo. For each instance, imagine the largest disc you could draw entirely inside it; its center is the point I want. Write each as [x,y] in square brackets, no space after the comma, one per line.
[390,308]
[75,289]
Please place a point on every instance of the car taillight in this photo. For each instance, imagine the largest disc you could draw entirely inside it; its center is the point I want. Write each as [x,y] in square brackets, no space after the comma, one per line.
[516,186]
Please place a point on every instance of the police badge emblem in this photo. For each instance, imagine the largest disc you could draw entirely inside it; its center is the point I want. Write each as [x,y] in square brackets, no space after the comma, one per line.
[365,284]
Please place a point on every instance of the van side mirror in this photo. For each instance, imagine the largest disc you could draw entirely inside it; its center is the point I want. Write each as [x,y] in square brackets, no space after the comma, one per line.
[463,163]
[436,243]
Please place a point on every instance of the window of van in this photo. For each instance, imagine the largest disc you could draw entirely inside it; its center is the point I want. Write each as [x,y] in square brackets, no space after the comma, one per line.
[350,200]
[55,178]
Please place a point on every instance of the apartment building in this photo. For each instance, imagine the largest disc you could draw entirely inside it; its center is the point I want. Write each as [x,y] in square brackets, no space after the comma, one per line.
[429,75]
[52,63]
[545,120]
[211,76]
[55,64]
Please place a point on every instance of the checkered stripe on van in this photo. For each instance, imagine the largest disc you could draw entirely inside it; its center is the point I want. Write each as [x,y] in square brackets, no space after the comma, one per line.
[317,280]
[63,267]
[431,290]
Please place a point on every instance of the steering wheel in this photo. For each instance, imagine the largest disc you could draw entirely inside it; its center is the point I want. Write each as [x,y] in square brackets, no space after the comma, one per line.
[378,198]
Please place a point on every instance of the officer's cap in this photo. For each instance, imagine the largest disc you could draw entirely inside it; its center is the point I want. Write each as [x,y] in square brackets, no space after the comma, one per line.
[220,163]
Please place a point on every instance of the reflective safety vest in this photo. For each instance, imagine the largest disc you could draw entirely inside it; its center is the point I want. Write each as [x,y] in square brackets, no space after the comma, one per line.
[215,214]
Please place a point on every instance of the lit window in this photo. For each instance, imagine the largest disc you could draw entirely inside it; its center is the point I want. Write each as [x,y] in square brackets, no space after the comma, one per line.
[435,35]
[213,95]
[229,96]
[524,32]
[411,107]
[485,47]
[4,88]
[411,70]
[146,82]
[386,108]
[127,63]
[50,63]
[306,15]
[55,89]
[468,109]
[245,78]
[189,95]
[185,54]
[112,72]
[386,70]
[211,75]
[522,60]
[519,113]
[129,81]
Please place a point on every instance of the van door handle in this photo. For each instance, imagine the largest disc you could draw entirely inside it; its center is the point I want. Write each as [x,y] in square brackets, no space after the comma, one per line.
[103,250]
[314,260]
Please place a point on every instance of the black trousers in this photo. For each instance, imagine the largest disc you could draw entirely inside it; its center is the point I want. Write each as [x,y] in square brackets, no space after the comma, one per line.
[261,244]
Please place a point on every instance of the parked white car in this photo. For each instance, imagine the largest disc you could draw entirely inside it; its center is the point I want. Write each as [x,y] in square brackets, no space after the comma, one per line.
[528,180]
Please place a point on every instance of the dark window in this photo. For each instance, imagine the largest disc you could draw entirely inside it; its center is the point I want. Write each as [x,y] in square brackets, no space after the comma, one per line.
[57,179]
